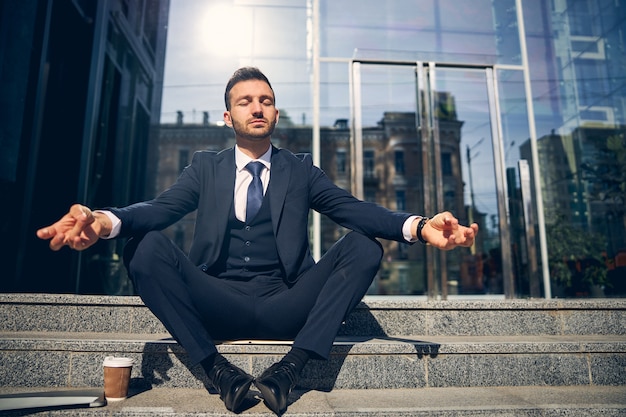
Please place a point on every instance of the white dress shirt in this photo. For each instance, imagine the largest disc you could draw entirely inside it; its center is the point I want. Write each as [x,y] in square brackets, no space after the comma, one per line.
[243,178]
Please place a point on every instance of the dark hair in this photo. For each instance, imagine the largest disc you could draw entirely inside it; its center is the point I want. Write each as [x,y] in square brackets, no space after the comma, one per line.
[244,74]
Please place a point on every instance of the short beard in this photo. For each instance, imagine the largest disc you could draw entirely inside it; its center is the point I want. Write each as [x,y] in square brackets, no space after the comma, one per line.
[252,134]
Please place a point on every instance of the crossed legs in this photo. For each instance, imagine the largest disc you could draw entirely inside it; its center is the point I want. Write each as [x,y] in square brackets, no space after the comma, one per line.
[197,308]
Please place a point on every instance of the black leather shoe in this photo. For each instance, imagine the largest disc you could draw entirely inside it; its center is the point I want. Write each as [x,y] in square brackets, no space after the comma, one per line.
[232,383]
[275,385]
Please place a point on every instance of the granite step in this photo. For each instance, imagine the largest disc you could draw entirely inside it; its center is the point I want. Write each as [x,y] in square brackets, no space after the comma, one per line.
[62,359]
[59,341]
[521,401]
[375,316]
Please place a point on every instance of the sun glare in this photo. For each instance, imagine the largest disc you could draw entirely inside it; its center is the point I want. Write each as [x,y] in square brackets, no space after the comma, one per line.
[227,30]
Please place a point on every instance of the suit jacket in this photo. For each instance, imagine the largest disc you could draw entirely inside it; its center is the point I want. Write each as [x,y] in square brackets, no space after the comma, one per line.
[296,185]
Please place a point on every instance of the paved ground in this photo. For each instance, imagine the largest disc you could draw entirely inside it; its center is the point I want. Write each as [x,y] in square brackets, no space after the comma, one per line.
[490,401]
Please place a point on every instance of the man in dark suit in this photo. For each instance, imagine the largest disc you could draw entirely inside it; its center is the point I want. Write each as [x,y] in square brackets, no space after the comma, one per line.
[249,273]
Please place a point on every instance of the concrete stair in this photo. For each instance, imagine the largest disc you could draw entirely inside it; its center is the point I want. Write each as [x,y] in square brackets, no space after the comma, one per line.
[395,356]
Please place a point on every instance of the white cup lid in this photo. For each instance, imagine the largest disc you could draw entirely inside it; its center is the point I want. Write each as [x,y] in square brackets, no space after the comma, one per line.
[113,362]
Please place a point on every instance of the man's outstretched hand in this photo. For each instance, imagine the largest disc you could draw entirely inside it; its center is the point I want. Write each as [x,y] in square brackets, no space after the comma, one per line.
[443,231]
[79,229]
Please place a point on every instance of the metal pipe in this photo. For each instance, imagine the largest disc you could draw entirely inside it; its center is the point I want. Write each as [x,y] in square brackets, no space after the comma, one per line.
[316,148]
[543,245]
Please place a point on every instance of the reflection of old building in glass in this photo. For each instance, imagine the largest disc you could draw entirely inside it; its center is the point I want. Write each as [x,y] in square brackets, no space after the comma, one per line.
[391,178]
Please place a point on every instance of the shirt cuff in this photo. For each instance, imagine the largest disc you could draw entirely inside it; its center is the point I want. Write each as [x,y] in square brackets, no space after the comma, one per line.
[406,229]
[116,224]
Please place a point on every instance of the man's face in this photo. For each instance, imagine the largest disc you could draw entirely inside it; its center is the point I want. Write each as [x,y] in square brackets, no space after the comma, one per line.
[252,114]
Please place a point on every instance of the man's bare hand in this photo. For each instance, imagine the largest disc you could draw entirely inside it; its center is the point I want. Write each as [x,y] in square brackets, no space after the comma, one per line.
[79,229]
[443,231]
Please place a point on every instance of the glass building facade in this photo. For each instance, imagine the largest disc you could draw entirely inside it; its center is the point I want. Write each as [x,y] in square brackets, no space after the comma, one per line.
[510,113]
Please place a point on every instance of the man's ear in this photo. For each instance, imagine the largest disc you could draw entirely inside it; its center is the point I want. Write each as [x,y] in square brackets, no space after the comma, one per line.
[277,115]
[227,119]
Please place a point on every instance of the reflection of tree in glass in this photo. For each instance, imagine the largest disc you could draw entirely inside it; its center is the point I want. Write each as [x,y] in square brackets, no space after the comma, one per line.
[580,258]
[576,257]
[608,176]
[605,177]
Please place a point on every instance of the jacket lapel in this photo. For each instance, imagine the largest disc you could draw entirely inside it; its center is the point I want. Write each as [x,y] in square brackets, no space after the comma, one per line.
[279,181]
[224,177]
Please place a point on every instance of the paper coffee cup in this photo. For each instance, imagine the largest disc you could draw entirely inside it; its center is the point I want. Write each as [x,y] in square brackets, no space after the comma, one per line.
[116,377]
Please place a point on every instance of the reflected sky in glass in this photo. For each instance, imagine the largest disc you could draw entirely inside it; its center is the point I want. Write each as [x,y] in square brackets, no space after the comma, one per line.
[208,40]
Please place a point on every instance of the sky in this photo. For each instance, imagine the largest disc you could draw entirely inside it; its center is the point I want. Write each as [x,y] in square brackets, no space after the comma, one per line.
[209,40]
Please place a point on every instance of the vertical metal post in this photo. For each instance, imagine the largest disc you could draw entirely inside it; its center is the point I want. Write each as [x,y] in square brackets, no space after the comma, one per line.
[92,106]
[356,134]
[424,119]
[543,245]
[529,227]
[315,32]
[92,110]
[424,111]
[508,279]
[436,176]
[35,142]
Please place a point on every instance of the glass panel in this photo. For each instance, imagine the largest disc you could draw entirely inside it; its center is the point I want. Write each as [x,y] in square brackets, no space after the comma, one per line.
[468,177]
[579,94]
[334,95]
[391,172]
[516,145]
[481,31]
[465,172]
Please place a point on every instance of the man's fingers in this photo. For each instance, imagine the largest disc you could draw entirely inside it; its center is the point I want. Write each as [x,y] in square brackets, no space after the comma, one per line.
[56,238]
[469,234]
[80,212]
[444,220]
[46,232]
[72,230]
[57,242]
[454,234]
[78,243]
[452,222]
[83,217]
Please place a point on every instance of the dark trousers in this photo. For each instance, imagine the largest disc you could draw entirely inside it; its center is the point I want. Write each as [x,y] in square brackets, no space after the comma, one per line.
[198,309]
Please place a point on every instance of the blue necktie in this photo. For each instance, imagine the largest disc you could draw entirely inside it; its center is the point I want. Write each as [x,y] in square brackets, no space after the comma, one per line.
[255,190]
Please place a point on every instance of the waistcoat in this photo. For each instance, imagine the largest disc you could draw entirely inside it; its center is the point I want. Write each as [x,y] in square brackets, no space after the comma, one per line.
[250,247]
